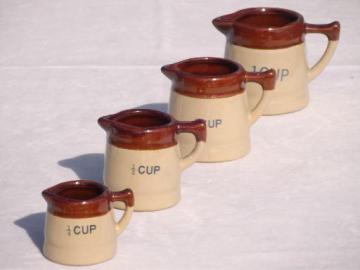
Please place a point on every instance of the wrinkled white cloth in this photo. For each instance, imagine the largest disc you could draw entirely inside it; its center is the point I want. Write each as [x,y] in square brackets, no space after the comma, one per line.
[292,203]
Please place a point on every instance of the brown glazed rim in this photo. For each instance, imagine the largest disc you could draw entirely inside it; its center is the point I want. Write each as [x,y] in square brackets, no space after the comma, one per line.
[214,84]
[96,203]
[235,69]
[248,34]
[119,122]
[297,18]
[195,84]
[147,136]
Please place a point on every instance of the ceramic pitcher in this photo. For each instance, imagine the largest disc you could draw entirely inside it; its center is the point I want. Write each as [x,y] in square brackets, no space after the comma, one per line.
[263,38]
[80,228]
[213,89]
[142,153]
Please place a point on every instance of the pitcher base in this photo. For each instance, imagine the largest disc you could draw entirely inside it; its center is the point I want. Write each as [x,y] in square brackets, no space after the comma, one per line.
[78,256]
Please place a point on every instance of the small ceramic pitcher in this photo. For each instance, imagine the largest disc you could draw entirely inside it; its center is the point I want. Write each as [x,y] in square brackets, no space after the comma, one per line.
[142,154]
[263,38]
[80,228]
[213,89]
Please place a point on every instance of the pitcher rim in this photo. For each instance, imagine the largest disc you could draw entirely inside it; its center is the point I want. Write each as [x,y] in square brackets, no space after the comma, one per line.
[52,191]
[117,117]
[267,10]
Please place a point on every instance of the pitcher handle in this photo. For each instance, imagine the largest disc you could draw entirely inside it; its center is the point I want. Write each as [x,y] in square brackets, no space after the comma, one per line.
[267,81]
[198,129]
[332,32]
[126,196]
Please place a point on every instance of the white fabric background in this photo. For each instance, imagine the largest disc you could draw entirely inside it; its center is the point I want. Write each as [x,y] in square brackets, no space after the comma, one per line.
[292,203]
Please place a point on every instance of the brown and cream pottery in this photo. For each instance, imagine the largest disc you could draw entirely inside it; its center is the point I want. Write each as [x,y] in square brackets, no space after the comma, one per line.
[263,38]
[213,104]
[214,89]
[142,153]
[80,228]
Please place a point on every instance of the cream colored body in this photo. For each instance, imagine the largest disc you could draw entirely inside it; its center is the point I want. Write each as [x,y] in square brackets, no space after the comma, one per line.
[75,241]
[226,140]
[153,175]
[293,74]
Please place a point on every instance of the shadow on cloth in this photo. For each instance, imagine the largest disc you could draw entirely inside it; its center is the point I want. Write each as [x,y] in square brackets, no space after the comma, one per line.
[87,167]
[90,166]
[34,226]
[163,107]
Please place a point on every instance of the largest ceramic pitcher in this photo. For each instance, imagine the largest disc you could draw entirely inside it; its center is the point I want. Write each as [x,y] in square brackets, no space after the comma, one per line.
[262,38]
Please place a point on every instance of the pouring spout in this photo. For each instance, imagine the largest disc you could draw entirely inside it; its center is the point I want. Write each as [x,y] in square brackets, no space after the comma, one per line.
[225,23]
[47,195]
[50,197]
[169,71]
[105,123]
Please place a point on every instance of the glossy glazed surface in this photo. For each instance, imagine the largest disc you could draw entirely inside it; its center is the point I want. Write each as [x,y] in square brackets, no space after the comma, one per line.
[211,77]
[82,241]
[213,89]
[270,28]
[154,176]
[293,74]
[300,210]
[83,198]
[141,153]
[228,127]
[291,89]
[147,129]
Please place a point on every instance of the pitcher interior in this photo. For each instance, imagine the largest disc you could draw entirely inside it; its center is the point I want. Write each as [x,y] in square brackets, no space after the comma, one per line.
[208,67]
[145,119]
[80,192]
[265,18]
